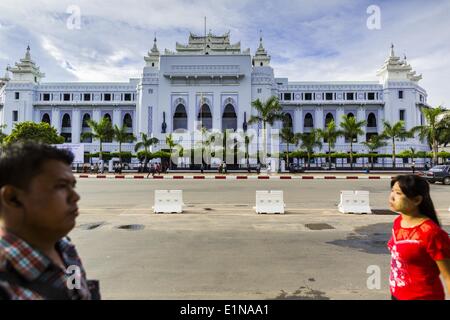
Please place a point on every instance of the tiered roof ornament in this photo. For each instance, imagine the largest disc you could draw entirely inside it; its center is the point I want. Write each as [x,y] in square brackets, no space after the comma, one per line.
[26,70]
[396,69]
[261,59]
[152,58]
[209,44]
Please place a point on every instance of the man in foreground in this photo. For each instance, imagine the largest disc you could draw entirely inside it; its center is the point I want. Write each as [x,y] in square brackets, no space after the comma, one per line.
[38,208]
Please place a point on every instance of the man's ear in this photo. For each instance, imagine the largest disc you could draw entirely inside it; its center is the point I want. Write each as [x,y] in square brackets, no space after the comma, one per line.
[9,197]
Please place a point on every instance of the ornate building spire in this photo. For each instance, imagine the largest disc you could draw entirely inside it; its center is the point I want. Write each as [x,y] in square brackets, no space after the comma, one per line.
[392,54]
[155,47]
[261,59]
[26,70]
[152,58]
[396,69]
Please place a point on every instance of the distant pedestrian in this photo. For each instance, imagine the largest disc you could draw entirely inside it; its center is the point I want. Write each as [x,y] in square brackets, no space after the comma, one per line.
[269,169]
[427,166]
[202,167]
[151,171]
[258,168]
[413,167]
[420,248]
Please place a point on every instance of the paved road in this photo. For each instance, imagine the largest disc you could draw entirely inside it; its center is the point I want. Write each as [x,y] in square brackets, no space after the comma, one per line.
[220,249]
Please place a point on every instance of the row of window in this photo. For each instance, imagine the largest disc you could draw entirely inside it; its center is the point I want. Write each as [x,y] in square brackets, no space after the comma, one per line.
[327,96]
[83,96]
[67,123]
[308,121]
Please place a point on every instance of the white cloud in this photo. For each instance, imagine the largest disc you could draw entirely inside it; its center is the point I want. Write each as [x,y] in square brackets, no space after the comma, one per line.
[309,40]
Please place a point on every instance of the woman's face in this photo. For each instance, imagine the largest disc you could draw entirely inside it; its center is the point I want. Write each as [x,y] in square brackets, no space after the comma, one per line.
[399,202]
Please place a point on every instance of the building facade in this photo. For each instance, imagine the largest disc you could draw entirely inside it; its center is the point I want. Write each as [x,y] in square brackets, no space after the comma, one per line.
[210,82]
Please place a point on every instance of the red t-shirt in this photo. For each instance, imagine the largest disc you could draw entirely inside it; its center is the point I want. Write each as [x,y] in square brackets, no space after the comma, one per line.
[414,272]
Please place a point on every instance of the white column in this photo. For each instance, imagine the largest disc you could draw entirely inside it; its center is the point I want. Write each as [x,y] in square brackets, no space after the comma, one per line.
[217,112]
[96,115]
[190,109]
[116,120]
[298,120]
[380,118]
[56,116]
[76,126]
[360,116]
[339,113]
[318,118]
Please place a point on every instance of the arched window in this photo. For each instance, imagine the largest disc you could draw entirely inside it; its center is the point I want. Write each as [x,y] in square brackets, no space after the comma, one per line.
[205,117]
[287,121]
[180,118]
[107,116]
[86,117]
[229,118]
[350,115]
[85,128]
[308,122]
[66,121]
[66,130]
[328,118]
[46,118]
[371,121]
[127,121]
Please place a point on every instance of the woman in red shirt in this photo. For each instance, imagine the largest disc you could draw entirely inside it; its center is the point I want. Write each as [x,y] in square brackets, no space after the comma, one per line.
[420,248]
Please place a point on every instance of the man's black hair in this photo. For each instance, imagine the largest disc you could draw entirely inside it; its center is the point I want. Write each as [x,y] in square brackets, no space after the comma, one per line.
[20,162]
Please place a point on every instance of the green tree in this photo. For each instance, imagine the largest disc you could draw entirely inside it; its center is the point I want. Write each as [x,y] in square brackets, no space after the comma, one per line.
[145,143]
[121,135]
[40,132]
[309,141]
[102,131]
[2,135]
[393,132]
[375,142]
[268,113]
[351,129]
[330,135]
[434,129]
[290,138]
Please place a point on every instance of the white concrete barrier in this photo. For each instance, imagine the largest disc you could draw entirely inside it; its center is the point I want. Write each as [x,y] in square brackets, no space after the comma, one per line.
[269,201]
[168,201]
[354,202]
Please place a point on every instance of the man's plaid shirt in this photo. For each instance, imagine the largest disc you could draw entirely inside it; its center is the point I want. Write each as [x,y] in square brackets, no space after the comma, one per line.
[32,265]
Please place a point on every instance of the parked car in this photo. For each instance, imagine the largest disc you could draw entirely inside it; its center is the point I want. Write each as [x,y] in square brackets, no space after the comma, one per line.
[440,173]
[295,168]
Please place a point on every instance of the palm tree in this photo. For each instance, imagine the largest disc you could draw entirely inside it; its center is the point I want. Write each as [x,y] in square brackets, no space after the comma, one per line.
[433,129]
[375,142]
[145,143]
[102,131]
[121,135]
[171,144]
[443,130]
[208,139]
[393,132]
[268,113]
[351,129]
[330,135]
[290,138]
[309,141]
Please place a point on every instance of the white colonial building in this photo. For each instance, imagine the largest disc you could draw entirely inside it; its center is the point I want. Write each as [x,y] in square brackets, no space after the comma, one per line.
[210,82]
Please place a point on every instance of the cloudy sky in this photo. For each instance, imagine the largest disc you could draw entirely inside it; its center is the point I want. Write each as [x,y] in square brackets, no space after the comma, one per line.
[308,40]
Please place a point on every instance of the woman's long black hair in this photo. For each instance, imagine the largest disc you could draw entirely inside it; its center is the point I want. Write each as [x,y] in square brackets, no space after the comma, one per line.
[413,186]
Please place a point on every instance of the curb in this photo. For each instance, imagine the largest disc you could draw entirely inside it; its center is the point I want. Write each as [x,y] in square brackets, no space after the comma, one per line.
[197,177]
